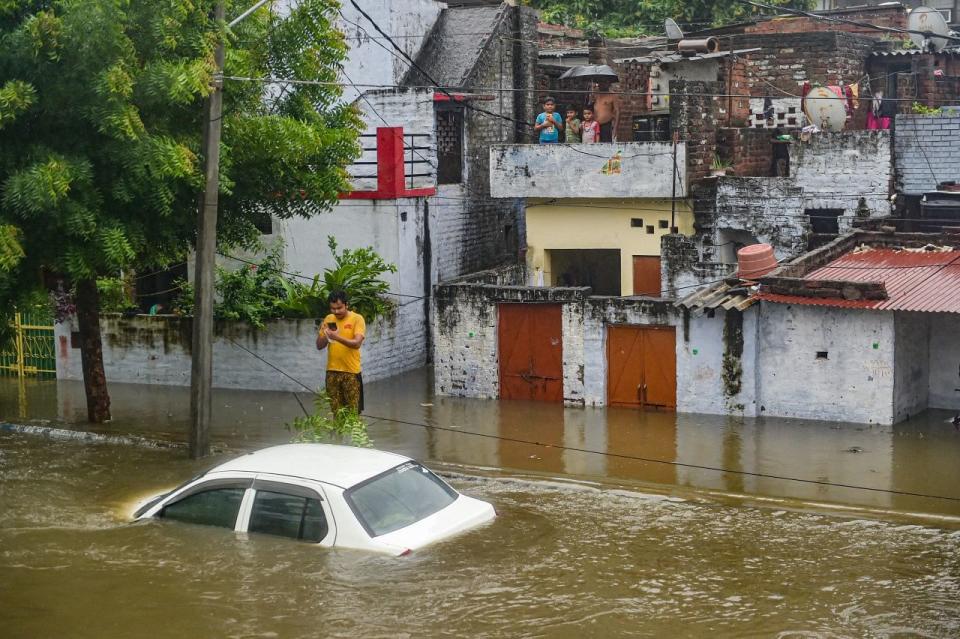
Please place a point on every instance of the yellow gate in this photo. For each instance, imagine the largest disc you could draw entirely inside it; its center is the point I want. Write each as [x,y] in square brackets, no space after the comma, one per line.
[31,349]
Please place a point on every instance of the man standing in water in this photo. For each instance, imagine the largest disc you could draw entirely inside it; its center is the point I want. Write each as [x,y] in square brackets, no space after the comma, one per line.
[606,109]
[343,331]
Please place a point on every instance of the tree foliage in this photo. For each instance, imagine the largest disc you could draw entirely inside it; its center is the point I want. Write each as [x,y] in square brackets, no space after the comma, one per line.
[645,17]
[101,126]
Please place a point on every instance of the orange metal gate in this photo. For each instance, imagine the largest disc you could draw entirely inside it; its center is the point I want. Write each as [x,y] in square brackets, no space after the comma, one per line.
[642,366]
[531,352]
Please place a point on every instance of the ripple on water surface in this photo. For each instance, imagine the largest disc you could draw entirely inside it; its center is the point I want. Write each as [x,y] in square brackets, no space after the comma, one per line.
[560,561]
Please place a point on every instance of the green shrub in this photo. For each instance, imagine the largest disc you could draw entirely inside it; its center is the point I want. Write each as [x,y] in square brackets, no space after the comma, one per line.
[326,427]
[115,295]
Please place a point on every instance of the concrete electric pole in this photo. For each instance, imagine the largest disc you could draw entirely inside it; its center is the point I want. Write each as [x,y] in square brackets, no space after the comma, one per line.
[201,375]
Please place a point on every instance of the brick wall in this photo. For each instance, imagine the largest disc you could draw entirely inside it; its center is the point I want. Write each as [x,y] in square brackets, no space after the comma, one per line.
[786,61]
[634,80]
[927,151]
[695,112]
[895,16]
[749,150]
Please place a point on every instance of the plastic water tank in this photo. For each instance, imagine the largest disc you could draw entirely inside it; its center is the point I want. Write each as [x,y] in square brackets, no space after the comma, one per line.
[755,261]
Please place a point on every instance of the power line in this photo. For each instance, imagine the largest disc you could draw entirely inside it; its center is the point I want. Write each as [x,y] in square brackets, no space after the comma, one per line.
[651,460]
[426,75]
[493,89]
[856,23]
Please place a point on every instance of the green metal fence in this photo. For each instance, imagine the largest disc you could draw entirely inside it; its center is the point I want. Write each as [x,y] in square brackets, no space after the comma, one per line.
[30,350]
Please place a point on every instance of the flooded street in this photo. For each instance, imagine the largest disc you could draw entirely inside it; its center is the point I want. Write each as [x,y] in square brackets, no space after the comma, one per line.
[612,523]
[561,560]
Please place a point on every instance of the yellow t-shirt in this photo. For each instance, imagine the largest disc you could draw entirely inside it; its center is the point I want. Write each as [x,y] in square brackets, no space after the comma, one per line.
[340,357]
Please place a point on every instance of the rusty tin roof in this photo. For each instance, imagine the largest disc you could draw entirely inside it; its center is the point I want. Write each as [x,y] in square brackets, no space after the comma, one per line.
[915,280]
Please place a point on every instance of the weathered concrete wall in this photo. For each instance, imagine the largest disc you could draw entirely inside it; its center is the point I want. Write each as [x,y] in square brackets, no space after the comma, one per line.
[717,363]
[911,359]
[853,383]
[156,350]
[408,21]
[465,313]
[771,209]
[466,359]
[598,314]
[584,170]
[944,361]
[927,151]
[849,170]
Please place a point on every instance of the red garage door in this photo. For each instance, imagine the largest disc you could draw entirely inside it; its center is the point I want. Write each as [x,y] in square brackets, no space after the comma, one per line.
[531,352]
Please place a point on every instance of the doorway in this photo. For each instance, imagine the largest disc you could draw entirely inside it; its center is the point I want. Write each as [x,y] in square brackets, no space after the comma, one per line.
[642,367]
[530,349]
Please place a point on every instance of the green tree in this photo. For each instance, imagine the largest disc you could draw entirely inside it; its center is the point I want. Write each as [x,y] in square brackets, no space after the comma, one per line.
[100,138]
[645,17]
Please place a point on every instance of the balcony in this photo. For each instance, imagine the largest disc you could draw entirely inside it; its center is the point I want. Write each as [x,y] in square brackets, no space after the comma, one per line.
[603,170]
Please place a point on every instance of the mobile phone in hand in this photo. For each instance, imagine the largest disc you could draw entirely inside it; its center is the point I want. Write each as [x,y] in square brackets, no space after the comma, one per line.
[332,326]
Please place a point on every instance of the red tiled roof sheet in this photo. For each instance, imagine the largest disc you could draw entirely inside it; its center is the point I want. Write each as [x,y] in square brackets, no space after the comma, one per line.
[915,280]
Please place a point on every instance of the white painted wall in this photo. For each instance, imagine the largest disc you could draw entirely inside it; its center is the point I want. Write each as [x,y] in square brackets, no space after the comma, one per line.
[411,109]
[156,350]
[944,361]
[700,386]
[854,384]
[576,170]
[407,21]
[911,364]
[465,343]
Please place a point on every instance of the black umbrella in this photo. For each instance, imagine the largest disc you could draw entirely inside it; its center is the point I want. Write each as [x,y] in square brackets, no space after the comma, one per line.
[595,71]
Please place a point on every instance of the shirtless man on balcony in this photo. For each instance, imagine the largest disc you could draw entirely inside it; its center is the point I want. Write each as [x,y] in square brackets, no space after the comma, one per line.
[606,109]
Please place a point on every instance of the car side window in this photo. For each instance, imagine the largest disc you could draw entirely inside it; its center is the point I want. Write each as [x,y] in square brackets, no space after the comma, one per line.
[293,516]
[215,507]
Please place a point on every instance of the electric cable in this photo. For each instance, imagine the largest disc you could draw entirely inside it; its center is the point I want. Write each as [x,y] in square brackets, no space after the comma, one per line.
[651,460]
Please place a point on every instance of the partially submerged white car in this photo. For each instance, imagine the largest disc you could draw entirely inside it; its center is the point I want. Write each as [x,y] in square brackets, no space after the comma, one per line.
[329,495]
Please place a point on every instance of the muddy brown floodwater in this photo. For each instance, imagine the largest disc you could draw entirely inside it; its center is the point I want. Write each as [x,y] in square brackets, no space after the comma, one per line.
[612,524]
[561,560]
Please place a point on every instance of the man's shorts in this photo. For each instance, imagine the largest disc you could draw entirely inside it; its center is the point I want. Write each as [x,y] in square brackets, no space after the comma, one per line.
[345,390]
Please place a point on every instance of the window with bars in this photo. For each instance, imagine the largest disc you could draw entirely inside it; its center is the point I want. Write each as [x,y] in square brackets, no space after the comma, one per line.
[449,146]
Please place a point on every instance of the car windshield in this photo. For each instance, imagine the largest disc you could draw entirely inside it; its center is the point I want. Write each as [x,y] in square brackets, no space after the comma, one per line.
[399,497]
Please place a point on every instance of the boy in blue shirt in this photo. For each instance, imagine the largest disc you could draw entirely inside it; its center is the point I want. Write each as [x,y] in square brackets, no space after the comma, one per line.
[549,123]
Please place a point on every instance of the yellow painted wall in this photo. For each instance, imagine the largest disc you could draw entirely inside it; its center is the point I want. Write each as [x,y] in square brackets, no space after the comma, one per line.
[600,224]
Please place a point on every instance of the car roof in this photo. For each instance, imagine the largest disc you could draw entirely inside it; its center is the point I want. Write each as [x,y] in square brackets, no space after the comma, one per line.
[343,466]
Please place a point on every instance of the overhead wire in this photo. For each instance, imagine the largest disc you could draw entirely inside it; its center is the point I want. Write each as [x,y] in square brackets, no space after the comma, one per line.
[494,89]
[639,458]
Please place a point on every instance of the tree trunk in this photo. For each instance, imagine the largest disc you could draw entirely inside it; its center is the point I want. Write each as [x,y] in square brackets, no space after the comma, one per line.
[91,351]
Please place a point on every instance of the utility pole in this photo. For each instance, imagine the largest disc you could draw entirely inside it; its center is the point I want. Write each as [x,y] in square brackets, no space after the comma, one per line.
[201,373]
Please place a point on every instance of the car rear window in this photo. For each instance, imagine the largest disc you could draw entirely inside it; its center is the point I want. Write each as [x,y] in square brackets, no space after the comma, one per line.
[399,497]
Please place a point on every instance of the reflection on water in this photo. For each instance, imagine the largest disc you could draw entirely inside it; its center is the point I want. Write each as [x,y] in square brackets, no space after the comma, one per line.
[560,561]
[698,452]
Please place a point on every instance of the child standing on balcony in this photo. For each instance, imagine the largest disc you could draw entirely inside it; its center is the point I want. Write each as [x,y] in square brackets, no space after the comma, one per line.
[549,123]
[590,128]
[572,127]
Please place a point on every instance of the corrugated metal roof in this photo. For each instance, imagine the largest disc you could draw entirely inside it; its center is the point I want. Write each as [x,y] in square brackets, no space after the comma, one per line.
[722,295]
[915,280]
[669,57]
[900,52]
